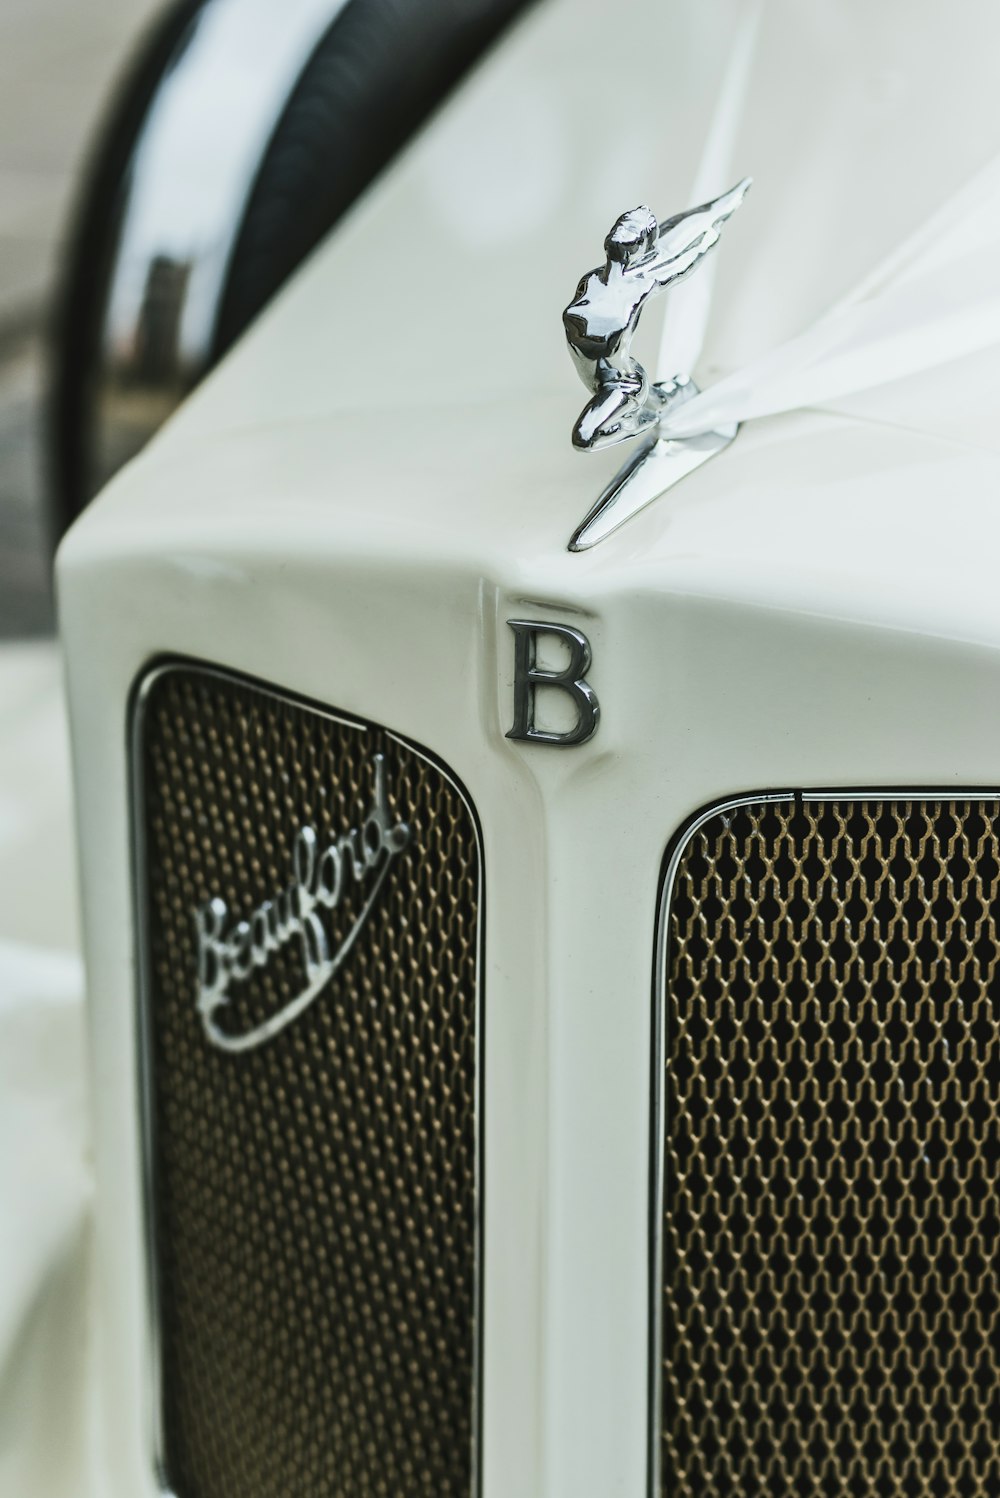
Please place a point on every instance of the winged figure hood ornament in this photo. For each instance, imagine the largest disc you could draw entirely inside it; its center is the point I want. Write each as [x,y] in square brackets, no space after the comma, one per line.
[643,257]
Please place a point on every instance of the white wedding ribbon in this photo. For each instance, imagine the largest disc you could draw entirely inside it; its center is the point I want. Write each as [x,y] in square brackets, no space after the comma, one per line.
[689,304]
[934,300]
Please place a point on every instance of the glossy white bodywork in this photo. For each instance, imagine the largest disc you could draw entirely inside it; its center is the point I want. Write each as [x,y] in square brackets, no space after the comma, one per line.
[381,476]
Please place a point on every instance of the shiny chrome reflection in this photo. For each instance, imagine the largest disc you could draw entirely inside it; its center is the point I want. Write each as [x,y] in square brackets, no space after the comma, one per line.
[643,258]
[229,951]
[188,184]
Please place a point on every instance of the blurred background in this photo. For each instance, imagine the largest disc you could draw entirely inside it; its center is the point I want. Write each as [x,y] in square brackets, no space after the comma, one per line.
[58,60]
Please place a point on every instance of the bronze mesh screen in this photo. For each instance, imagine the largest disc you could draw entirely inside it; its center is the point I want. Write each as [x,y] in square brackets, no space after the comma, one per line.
[315,1198]
[831,1231]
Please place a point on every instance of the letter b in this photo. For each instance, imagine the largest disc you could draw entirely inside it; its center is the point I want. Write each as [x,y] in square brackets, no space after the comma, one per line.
[528,677]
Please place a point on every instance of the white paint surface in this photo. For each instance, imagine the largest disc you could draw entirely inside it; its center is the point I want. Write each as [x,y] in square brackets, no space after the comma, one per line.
[381,476]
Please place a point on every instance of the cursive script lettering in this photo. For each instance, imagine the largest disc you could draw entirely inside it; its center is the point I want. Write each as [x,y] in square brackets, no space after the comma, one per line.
[320,880]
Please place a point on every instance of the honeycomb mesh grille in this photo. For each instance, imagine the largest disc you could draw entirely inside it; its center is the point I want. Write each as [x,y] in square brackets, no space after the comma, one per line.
[831,1230]
[315,1197]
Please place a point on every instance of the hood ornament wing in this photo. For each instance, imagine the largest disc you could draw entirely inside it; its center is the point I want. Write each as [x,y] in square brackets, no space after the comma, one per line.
[644,257]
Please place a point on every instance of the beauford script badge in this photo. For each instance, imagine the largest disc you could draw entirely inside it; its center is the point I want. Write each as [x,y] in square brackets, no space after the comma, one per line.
[644,257]
[320,880]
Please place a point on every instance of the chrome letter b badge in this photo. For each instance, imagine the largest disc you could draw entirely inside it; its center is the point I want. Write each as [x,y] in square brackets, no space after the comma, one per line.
[528,677]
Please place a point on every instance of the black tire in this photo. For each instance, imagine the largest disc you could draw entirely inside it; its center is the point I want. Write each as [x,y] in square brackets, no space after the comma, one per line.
[376,74]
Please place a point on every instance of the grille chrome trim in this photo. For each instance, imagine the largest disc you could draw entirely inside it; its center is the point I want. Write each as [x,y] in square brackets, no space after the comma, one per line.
[675,854]
[673,858]
[138,702]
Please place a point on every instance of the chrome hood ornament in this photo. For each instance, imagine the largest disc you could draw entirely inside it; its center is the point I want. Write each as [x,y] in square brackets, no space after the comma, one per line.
[644,257]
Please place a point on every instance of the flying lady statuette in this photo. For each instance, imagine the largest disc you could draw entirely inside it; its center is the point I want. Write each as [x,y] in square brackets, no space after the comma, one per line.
[644,257]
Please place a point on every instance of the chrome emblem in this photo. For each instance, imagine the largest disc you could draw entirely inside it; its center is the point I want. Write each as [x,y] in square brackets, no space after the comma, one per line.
[643,258]
[529,677]
[319,880]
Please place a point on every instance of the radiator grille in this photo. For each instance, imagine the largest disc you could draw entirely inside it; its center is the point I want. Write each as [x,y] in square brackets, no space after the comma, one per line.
[314,1198]
[831,1150]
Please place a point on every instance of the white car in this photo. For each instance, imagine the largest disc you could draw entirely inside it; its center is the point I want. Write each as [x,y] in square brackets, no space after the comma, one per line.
[543,989]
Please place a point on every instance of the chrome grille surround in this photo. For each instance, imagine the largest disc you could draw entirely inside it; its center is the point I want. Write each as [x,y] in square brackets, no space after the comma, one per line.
[826,1271]
[314,1211]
